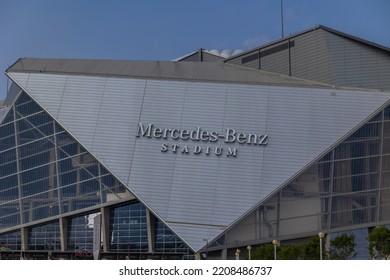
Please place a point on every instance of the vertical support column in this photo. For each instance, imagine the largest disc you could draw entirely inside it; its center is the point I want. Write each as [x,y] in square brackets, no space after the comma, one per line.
[52,172]
[57,171]
[150,228]
[101,189]
[64,233]
[382,138]
[105,212]
[23,240]
[278,215]
[78,164]
[20,190]
[224,254]
[258,224]
[330,194]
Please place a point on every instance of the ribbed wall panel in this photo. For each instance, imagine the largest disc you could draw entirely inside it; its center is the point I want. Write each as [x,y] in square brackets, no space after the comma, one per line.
[384,75]
[323,56]
[277,62]
[210,57]
[80,106]
[47,90]
[314,120]
[253,63]
[238,59]
[196,194]
[121,105]
[193,57]
[309,58]
[21,78]
[356,64]
[152,171]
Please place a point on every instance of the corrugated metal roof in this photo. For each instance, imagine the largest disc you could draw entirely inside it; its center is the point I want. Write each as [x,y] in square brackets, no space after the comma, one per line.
[175,70]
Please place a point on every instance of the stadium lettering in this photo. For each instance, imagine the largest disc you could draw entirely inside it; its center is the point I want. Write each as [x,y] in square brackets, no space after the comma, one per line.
[209,138]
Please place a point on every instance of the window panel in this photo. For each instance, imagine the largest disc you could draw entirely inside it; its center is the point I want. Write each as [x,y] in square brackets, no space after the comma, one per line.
[45,237]
[7,157]
[78,171]
[6,130]
[7,143]
[8,169]
[9,215]
[167,242]
[26,109]
[36,147]
[386,129]
[369,130]
[126,231]
[10,241]
[36,160]
[9,189]
[356,183]
[80,233]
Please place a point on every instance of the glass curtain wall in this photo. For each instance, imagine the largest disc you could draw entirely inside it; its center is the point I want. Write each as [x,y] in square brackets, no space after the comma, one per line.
[44,172]
[128,229]
[341,190]
[129,233]
[10,242]
[167,242]
[348,188]
[45,238]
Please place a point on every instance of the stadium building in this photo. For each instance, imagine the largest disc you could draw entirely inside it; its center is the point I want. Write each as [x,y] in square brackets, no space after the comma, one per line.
[196,157]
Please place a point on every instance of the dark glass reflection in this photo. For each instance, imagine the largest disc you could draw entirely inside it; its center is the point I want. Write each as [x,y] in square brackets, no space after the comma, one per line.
[128,229]
[45,237]
[44,172]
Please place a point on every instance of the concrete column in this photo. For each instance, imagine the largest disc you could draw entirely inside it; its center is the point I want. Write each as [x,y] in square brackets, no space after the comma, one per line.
[224,254]
[105,212]
[24,238]
[64,233]
[150,228]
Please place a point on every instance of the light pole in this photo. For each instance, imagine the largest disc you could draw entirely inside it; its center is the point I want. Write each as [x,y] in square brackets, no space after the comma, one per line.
[249,248]
[275,243]
[237,254]
[321,235]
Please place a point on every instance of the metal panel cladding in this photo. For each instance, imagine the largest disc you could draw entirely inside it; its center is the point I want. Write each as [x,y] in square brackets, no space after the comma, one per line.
[201,154]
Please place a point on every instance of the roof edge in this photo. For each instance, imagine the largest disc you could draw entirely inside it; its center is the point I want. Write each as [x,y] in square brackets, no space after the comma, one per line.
[215,72]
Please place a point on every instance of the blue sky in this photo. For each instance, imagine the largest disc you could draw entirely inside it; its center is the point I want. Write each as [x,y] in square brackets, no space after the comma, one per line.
[167,29]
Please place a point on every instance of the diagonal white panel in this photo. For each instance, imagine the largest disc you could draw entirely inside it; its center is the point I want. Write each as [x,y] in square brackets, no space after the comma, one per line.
[114,139]
[195,192]
[80,106]
[200,195]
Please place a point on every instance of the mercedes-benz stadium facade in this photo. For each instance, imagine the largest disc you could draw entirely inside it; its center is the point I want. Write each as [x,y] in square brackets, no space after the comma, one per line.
[171,159]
